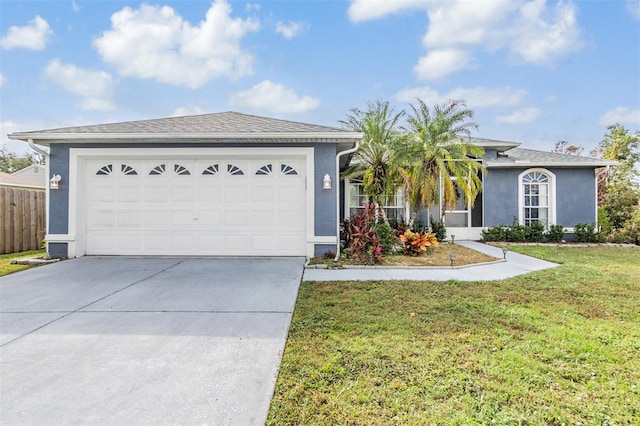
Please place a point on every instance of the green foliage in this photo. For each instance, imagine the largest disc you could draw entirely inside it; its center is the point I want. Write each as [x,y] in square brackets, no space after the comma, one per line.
[360,236]
[386,237]
[619,202]
[10,162]
[375,159]
[555,234]
[436,154]
[494,233]
[516,233]
[603,221]
[630,232]
[415,243]
[586,233]
[438,228]
[534,233]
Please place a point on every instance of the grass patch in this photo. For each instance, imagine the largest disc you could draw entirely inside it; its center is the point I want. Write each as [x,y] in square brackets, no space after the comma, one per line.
[558,346]
[7,268]
[437,256]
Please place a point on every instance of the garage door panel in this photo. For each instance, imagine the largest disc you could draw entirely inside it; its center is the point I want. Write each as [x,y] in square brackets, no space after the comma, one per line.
[156,193]
[129,219]
[236,218]
[101,219]
[234,193]
[206,206]
[182,217]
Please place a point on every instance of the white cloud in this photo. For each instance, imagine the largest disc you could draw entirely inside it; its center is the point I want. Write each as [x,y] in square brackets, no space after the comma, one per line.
[476,97]
[366,10]
[33,36]
[273,97]
[290,29]
[521,116]
[188,110]
[95,87]
[155,42]
[622,115]
[440,63]
[252,7]
[2,80]
[532,31]
[633,7]
[75,6]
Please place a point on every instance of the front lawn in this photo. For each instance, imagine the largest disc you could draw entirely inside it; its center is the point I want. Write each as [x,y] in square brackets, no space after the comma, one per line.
[7,268]
[559,346]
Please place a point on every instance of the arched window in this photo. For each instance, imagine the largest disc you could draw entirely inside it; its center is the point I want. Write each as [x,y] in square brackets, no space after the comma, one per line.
[537,197]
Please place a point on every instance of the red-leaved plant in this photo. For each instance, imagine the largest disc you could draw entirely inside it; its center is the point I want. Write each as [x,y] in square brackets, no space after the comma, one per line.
[360,236]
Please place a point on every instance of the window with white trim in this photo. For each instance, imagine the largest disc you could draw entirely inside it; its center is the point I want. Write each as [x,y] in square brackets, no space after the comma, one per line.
[395,209]
[536,195]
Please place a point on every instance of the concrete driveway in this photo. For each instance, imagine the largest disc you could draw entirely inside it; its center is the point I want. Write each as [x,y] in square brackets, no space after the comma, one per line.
[110,340]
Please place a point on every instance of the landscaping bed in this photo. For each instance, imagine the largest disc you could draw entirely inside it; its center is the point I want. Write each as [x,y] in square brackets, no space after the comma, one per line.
[438,256]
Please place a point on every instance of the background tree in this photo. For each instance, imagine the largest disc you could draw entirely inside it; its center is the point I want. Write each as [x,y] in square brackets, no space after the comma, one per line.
[618,187]
[564,147]
[437,155]
[374,160]
[10,162]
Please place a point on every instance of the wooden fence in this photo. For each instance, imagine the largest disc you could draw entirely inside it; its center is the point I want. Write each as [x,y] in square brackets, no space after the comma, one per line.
[22,220]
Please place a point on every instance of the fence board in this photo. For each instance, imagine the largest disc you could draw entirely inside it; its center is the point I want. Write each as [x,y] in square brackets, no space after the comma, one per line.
[22,220]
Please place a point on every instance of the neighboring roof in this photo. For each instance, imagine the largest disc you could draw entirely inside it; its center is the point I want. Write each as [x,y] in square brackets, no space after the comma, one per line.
[36,173]
[521,157]
[7,180]
[494,144]
[218,127]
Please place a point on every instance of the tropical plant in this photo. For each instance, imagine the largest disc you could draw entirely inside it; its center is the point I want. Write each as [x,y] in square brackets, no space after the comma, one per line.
[360,236]
[438,228]
[438,157]
[374,160]
[415,243]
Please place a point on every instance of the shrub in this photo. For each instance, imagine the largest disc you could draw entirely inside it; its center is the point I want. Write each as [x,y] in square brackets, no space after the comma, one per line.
[438,228]
[516,233]
[555,234]
[534,233]
[586,233]
[414,243]
[360,236]
[630,233]
[386,237]
[495,233]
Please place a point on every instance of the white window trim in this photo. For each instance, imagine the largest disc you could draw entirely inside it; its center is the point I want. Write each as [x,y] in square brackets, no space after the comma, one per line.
[347,200]
[552,194]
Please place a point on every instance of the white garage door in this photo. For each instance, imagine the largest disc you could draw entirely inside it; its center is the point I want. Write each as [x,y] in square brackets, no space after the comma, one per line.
[198,206]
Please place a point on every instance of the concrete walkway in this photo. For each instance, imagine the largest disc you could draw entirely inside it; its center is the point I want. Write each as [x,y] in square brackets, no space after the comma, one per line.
[516,264]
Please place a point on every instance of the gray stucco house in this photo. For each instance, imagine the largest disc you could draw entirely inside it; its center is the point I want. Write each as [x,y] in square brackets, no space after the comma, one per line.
[237,184]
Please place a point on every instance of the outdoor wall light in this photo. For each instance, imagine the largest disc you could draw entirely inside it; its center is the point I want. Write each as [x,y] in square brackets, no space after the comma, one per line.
[504,252]
[55,181]
[326,182]
[452,258]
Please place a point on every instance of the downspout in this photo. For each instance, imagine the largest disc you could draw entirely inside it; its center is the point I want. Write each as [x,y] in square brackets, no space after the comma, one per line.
[340,154]
[34,147]
[598,174]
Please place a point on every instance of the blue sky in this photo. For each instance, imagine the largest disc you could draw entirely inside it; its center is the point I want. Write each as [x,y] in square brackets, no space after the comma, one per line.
[534,72]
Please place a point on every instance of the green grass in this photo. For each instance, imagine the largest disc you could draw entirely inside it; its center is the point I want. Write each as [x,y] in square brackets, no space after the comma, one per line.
[560,346]
[7,268]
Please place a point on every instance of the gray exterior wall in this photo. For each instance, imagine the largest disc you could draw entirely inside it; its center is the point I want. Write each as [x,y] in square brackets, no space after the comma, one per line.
[575,195]
[324,163]
[500,196]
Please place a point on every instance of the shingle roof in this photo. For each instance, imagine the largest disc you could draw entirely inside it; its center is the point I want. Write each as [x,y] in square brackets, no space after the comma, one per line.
[7,179]
[518,157]
[225,125]
[222,122]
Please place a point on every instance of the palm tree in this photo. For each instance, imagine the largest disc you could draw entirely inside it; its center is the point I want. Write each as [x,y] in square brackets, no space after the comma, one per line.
[374,160]
[438,156]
